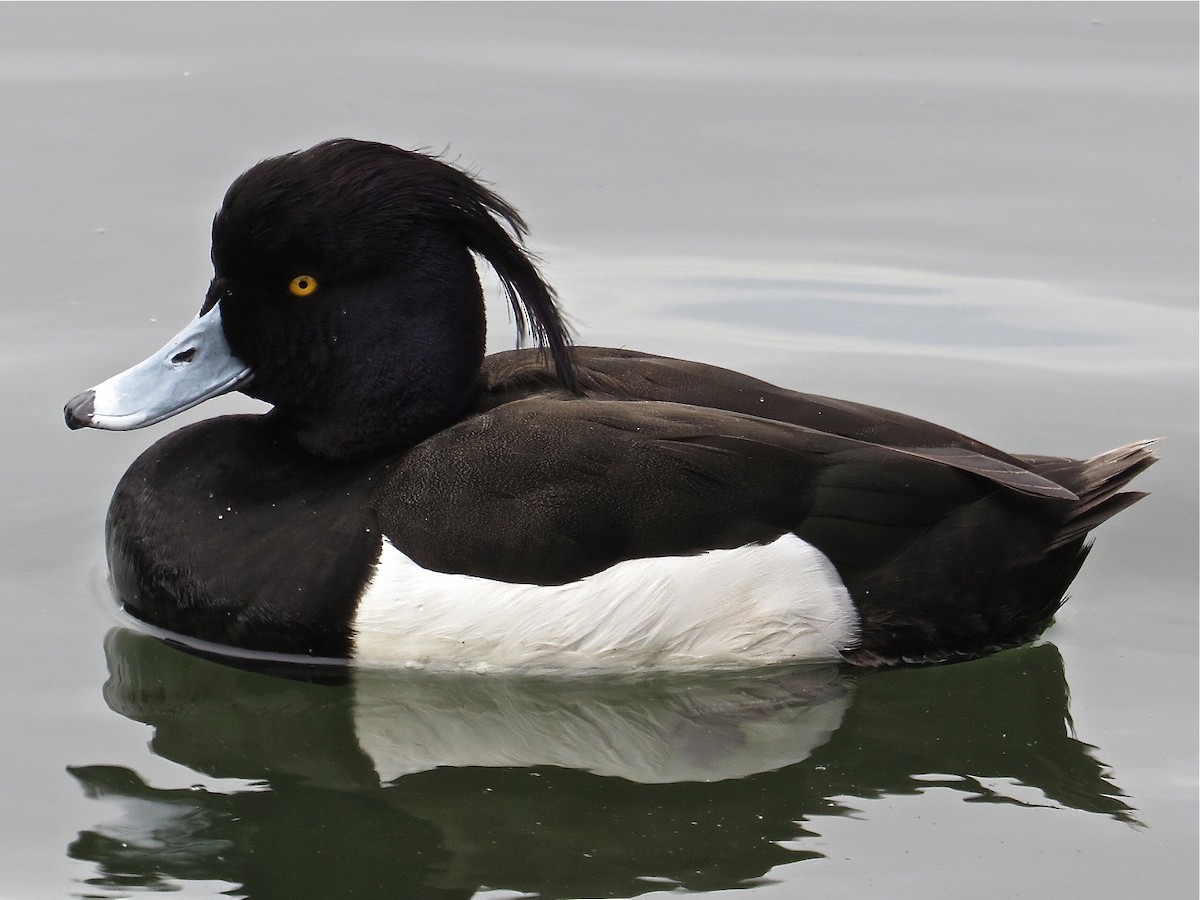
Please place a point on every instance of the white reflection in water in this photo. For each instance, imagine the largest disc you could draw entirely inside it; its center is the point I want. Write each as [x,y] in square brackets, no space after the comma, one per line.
[698,729]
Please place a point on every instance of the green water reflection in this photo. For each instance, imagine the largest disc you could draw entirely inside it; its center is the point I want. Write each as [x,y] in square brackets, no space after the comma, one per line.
[576,789]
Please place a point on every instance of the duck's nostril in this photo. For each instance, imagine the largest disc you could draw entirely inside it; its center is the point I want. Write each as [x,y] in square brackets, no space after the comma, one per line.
[183,356]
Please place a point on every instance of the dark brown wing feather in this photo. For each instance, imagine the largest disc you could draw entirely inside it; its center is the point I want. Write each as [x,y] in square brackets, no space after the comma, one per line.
[628,375]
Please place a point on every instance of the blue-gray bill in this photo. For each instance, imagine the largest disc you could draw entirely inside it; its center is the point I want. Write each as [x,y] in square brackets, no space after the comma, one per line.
[195,365]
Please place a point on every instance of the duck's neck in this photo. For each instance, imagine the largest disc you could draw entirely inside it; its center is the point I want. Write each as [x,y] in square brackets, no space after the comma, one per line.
[415,374]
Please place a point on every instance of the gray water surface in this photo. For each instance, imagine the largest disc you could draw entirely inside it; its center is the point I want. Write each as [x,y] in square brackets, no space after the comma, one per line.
[981,214]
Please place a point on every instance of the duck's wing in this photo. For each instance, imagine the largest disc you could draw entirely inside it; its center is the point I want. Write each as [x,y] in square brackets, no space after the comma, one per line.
[622,375]
[941,561]
[547,491]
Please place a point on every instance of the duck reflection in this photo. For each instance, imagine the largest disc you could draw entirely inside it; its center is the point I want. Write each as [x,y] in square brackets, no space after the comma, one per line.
[406,784]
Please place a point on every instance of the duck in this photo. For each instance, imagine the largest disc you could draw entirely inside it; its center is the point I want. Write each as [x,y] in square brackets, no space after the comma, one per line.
[410,501]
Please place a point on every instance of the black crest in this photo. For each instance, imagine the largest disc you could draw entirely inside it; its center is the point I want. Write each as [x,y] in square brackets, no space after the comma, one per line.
[283,207]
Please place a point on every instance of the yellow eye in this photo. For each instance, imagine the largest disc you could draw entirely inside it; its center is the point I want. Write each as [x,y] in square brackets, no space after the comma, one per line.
[303,285]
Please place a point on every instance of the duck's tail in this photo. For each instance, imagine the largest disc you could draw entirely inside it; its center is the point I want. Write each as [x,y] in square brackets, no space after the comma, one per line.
[1098,482]
[1028,583]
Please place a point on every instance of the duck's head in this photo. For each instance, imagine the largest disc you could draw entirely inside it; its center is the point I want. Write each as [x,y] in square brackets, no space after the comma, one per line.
[345,294]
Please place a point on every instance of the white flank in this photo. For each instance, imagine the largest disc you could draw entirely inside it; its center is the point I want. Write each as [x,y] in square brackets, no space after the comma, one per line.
[751,606]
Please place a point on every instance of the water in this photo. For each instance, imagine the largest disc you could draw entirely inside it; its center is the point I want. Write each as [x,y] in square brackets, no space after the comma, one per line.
[981,214]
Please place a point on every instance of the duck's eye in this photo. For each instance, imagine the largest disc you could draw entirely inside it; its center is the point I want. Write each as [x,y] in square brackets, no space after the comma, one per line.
[303,285]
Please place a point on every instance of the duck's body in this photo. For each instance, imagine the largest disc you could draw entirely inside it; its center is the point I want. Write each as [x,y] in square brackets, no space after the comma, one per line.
[409,501]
